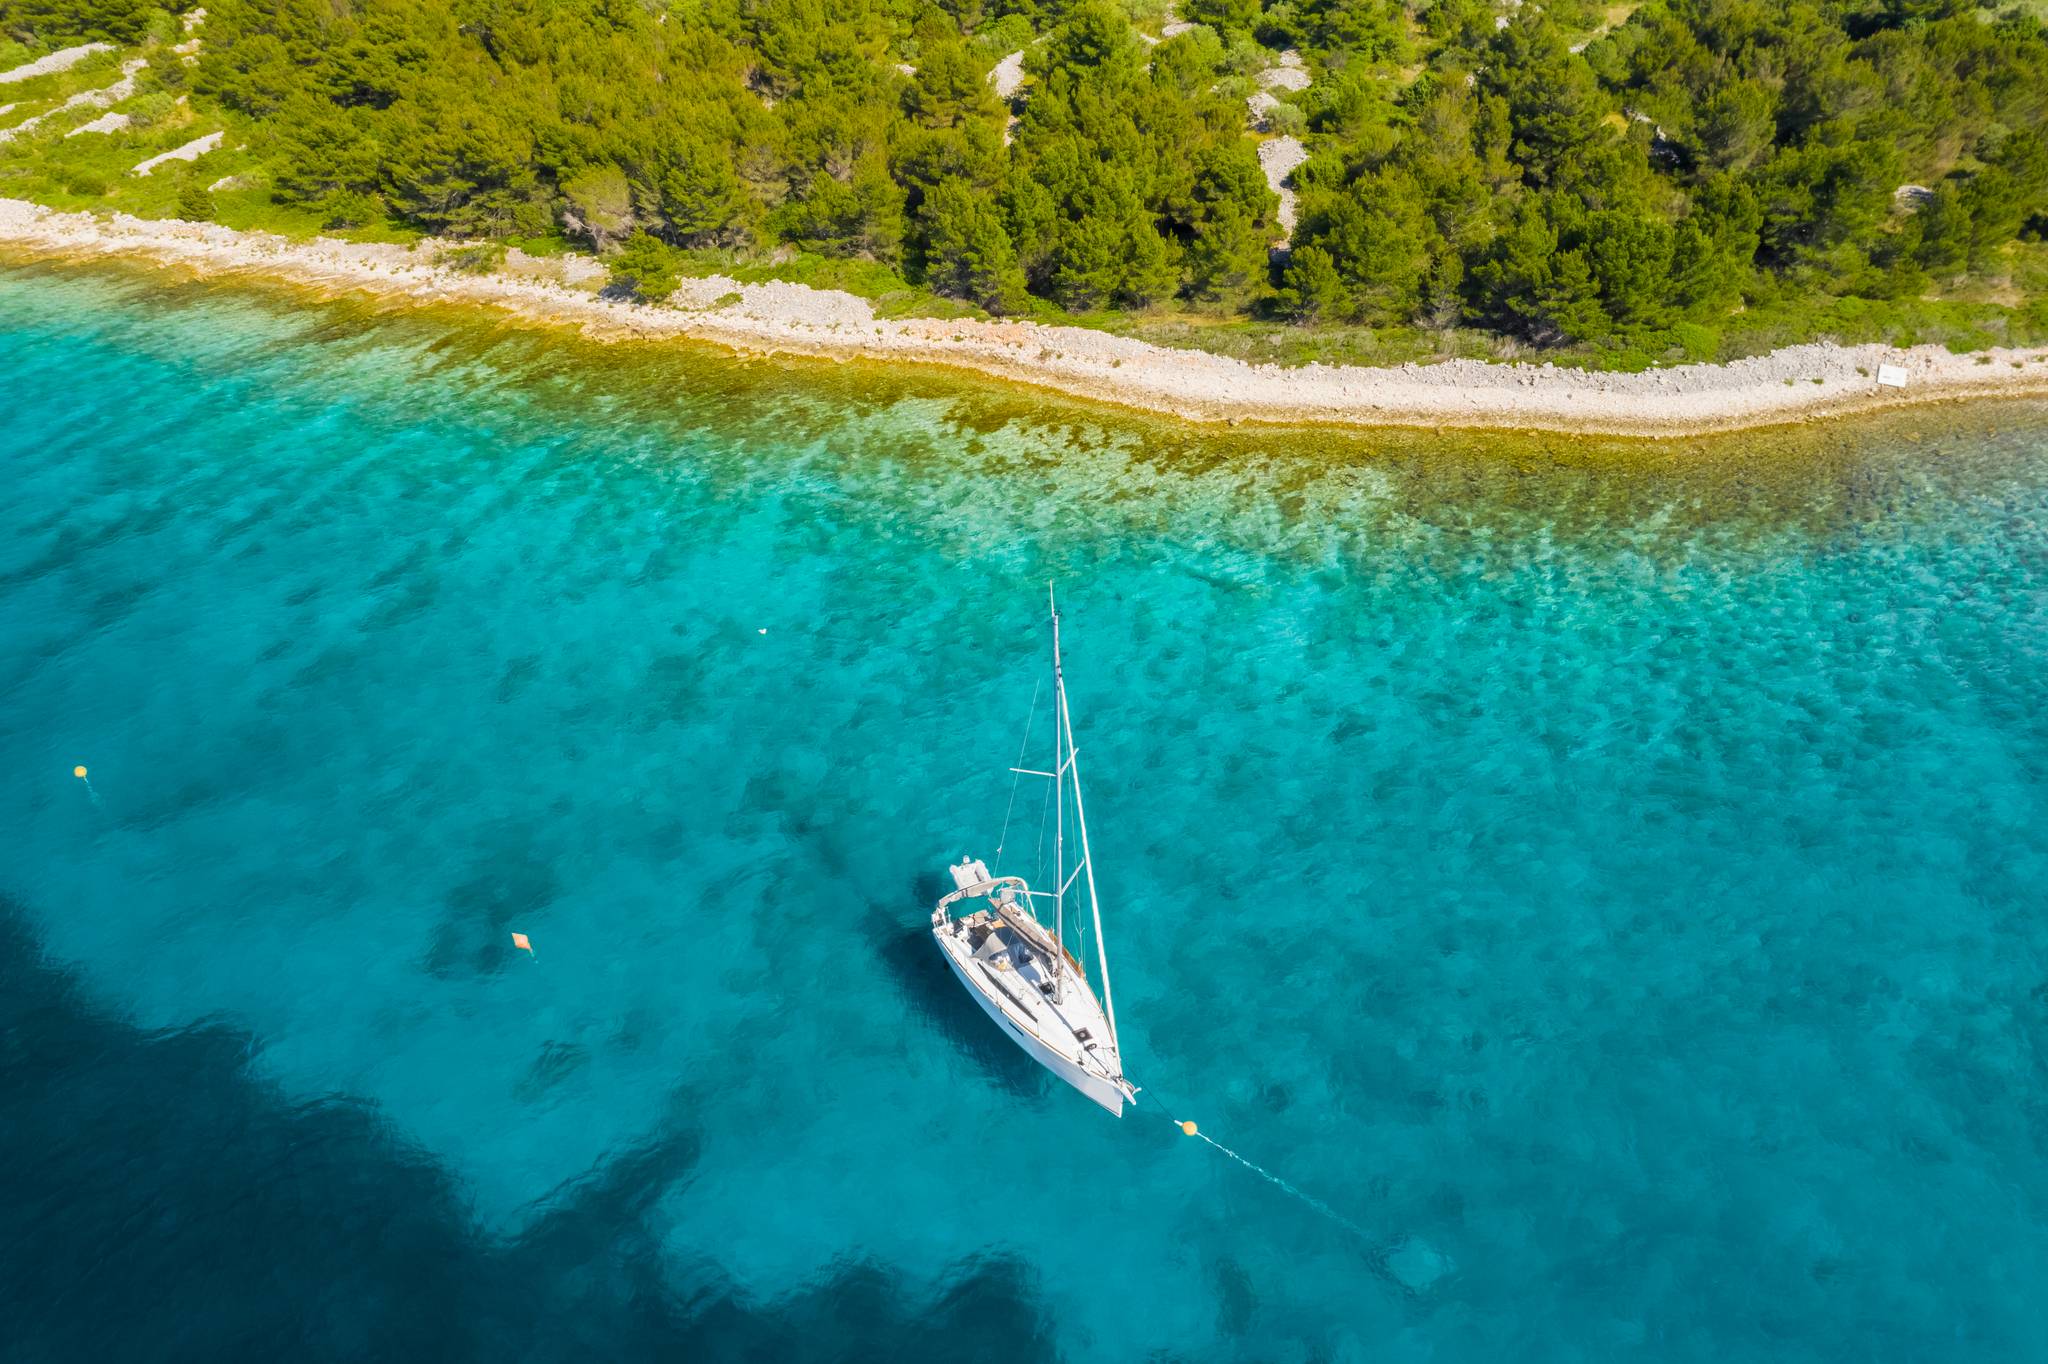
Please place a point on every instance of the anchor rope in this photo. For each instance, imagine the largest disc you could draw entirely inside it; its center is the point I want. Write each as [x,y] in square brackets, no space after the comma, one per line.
[1308,1199]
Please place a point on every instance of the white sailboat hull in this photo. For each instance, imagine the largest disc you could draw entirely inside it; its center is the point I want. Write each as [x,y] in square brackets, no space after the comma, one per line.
[1040,1034]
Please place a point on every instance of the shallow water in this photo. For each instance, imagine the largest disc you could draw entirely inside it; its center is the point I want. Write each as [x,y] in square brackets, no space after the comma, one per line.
[1609,878]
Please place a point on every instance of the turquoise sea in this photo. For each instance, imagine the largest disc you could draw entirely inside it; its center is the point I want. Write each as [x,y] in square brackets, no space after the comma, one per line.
[1611,880]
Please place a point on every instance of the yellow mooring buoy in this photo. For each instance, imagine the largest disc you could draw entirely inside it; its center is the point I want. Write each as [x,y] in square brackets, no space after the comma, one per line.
[1188,1128]
[78,772]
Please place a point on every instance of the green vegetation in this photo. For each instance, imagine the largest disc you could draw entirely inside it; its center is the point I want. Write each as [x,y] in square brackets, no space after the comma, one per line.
[1698,179]
[645,268]
[37,24]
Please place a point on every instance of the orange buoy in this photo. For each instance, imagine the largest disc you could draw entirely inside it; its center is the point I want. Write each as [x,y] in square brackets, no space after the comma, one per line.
[78,772]
[1188,1128]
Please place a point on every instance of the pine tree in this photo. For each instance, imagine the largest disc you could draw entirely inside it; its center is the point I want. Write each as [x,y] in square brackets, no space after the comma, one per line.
[1628,256]
[950,87]
[1227,252]
[702,197]
[1149,270]
[969,254]
[1553,100]
[1944,230]
[598,205]
[1737,124]
[1087,261]
[1313,291]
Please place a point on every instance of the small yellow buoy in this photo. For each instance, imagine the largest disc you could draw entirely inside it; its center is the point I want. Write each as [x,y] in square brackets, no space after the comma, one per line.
[78,772]
[1188,1128]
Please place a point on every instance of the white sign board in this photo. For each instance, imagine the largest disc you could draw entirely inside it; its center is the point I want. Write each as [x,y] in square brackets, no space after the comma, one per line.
[1891,376]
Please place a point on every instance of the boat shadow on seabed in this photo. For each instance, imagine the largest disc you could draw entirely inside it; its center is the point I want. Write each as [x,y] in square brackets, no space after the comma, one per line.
[1409,1265]
[920,975]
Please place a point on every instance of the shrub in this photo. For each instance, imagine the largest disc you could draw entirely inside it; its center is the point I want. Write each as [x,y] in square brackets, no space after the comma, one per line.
[195,201]
[645,268]
[1697,342]
[1286,120]
[346,208]
[473,258]
[1007,34]
[147,111]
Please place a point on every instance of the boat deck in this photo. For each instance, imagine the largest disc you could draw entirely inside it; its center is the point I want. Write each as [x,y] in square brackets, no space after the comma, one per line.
[1016,975]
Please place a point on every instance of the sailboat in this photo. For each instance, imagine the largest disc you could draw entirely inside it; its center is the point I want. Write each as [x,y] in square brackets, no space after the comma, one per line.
[1019,968]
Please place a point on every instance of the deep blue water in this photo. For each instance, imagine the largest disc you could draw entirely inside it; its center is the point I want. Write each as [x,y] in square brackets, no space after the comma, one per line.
[1613,883]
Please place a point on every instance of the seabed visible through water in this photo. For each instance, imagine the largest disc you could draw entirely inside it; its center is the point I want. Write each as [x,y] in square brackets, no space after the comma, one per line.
[1606,874]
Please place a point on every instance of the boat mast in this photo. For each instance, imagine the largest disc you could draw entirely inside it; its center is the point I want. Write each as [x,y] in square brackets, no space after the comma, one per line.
[1065,722]
[1059,783]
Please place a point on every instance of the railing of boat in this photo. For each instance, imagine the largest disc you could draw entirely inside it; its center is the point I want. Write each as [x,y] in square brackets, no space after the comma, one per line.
[1017,883]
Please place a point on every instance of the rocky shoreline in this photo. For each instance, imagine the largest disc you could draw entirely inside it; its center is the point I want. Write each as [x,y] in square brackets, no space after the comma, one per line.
[1798,383]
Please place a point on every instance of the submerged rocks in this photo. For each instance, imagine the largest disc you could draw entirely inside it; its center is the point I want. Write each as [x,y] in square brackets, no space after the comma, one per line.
[1416,1265]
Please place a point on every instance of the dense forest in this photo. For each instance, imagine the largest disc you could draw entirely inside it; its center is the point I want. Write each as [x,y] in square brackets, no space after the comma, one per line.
[1559,173]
